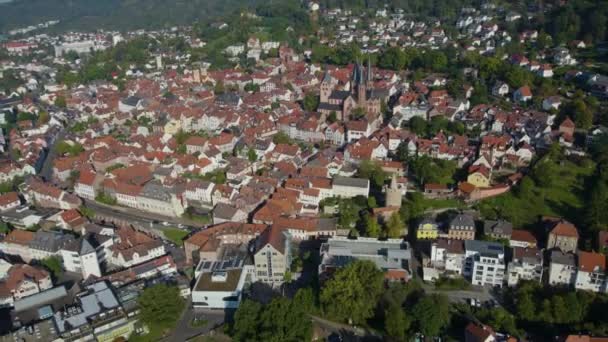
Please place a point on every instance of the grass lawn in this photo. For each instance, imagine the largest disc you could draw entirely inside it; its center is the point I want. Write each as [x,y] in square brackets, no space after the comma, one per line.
[442,203]
[564,199]
[176,235]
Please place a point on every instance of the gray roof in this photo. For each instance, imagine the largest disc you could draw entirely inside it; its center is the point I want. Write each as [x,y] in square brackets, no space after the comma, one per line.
[562,258]
[50,241]
[390,254]
[485,248]
[99,298]
[40,298]
[224,211]
[156,191]
[131,101]
[352,182]
[463,222]
[500,227]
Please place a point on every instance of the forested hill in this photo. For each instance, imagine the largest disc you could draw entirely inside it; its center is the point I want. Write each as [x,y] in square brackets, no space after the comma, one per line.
[117,14]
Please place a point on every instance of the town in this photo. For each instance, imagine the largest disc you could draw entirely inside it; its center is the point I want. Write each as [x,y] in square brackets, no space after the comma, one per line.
[358,175]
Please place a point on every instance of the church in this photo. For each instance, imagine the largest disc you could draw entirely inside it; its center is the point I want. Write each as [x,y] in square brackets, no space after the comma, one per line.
[358,93]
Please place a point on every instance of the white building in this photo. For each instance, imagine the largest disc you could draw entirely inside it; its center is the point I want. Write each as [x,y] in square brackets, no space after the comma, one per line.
[346,187]
[221,287]
[86,255]
[591,272]
[448,255]
[526,264]
[484,263]
[562,268]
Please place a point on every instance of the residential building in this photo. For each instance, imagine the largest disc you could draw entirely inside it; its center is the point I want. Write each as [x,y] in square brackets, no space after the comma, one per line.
[563,236]
[462,227]
[86,255]
[428,229]
[562,268]
[272,257]
[448,256]
[479,333]
[132,247]
[21,281]
[498,229]
[591,272]
[484,263]
[526,264]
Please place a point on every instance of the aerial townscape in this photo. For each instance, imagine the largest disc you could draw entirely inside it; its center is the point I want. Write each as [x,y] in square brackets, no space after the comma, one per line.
[304,170]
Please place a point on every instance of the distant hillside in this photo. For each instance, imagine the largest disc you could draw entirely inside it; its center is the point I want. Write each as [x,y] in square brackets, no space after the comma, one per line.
[121,14]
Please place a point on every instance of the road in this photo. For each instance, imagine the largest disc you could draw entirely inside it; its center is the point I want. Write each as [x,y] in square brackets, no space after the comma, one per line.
[347,332]
[184,331]
[46,172]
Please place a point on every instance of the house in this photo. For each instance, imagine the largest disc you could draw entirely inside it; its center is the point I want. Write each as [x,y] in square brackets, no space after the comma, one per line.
[526,264]
[479,176]
[132,247]
[552,103]
[591,272]
[21,281]
[479,333]
[500,89]
[522,238]
[392,256]
[567,127]
[563,236]
[498,229]
[562,268]
[228,213]
[462,227]
[272,258]
[484,263]
[204,244]
[9,200]
[448,255]
[427,229]
[523,94]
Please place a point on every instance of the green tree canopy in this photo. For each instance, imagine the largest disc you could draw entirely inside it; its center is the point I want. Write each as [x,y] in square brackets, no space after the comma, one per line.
[160,305]
[352,294]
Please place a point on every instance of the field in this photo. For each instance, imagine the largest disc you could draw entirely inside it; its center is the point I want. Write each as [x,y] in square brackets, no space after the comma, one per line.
[176,235]
[565,198]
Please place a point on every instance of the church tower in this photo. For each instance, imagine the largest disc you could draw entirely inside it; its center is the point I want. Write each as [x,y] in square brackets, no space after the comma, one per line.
[393,194]
[361,83]
[326,88]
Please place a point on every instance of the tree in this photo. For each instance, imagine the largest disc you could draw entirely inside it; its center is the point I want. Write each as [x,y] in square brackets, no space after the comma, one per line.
[372,171]
[402,152]
[53,264]
[332,117]
[60,101]
[351,295]
[393,58]
[251,155]
[219,88]
[372,228]
[396,322]
[394,226]
[43,118]
[281,138]
[310,102]
[418,125]
[432,314]
[348,214]
[246,320]
[280,320]
[160,305]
